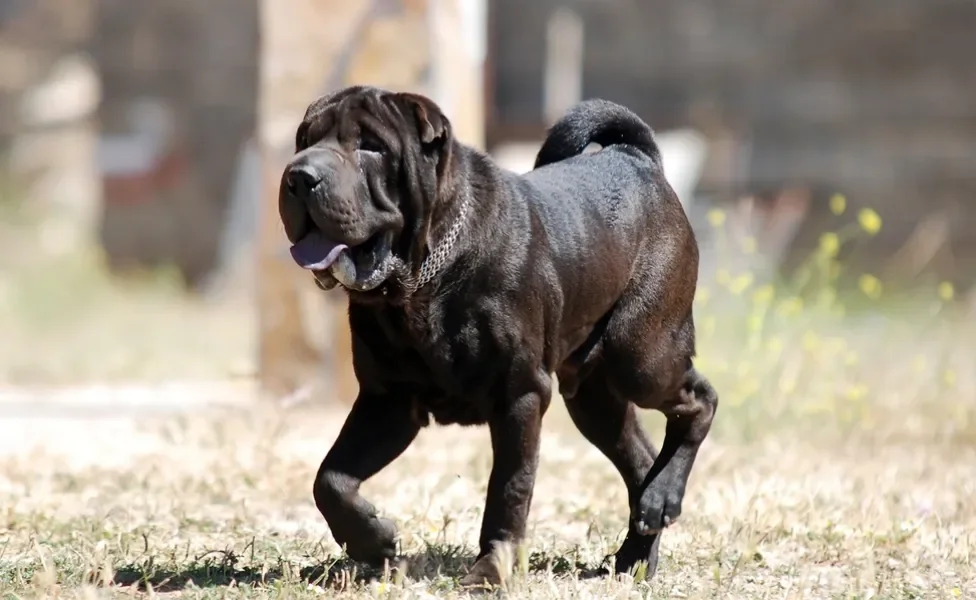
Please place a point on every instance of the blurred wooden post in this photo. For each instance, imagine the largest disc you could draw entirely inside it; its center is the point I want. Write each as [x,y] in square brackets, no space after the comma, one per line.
[300,39]
[312,46]
[563,71]
[457,33]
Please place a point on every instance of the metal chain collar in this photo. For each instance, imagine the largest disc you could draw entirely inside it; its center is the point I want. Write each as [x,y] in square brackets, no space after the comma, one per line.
[441,252]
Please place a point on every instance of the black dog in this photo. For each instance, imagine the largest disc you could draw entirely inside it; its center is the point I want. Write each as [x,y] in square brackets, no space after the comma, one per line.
[469,286]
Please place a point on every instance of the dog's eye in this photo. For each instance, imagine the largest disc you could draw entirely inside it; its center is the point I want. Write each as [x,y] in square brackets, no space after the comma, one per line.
[300,138]
[369,143]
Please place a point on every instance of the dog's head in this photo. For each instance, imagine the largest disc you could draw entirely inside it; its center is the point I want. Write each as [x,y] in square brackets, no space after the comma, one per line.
[358,197]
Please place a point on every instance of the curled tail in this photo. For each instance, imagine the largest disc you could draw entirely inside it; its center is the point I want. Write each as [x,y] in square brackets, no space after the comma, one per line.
[596,121]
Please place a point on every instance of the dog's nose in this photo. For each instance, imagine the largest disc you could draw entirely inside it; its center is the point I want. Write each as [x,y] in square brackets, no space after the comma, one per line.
[302,179]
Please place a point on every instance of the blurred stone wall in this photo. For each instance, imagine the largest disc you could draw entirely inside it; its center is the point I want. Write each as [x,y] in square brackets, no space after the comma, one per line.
[48,96]
[871,98]
[127,122]
[179,102]
[34,36]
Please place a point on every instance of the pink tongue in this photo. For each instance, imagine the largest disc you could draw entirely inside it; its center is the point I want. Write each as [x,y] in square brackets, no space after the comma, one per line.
[316,252]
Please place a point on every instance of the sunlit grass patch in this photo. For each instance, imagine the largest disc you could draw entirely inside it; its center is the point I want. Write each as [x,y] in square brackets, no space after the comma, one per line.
[69,320]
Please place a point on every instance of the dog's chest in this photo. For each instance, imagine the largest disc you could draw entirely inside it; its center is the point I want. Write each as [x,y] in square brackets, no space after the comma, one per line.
[448,384]
[445,392]
[448,372]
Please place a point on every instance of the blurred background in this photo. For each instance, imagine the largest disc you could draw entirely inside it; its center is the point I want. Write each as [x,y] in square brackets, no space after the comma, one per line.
[825,152]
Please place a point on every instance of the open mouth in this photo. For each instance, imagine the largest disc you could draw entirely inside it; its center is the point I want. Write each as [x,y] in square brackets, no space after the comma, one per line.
[360,268]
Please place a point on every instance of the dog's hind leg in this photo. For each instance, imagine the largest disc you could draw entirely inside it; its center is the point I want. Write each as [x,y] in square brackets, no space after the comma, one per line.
[612,425]
[689,412]
[378,429]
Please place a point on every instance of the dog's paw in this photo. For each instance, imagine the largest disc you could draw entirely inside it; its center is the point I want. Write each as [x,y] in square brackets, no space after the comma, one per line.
[371,541]
[485,574]
[659,506]
[491,570]
[638,549]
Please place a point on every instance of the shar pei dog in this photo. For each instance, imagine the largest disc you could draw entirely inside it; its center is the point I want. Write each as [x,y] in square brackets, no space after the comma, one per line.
[470,286]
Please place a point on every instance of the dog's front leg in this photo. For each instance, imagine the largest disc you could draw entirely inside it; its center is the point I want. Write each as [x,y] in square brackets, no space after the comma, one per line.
[515,431]
[378,429]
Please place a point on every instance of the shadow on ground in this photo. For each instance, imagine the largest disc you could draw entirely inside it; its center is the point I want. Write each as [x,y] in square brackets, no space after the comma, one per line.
[219,569]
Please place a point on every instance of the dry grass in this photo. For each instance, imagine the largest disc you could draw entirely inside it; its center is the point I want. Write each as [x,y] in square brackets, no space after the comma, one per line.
[840,466]
[221,507]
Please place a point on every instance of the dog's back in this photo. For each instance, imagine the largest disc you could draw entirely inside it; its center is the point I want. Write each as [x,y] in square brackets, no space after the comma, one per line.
[610,207]
[621,184]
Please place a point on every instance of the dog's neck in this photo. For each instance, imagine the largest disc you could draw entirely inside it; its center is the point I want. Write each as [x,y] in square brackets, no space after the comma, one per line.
[442,250]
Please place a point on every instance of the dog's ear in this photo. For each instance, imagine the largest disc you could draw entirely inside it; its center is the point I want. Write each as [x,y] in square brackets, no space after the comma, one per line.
[432,126]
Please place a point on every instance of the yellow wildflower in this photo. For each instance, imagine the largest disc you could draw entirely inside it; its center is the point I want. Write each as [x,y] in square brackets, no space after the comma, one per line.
[763,294]
[716,217]
[838,204]
[870,221]
[870,285]
[829,244]
[946,291]
[949,377]
[740,283]
[791,306]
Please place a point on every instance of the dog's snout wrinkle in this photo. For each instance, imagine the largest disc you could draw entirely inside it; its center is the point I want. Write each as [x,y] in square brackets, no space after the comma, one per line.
[338,155]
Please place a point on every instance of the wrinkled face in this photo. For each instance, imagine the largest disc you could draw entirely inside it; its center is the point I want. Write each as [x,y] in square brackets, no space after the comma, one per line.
[355,199]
